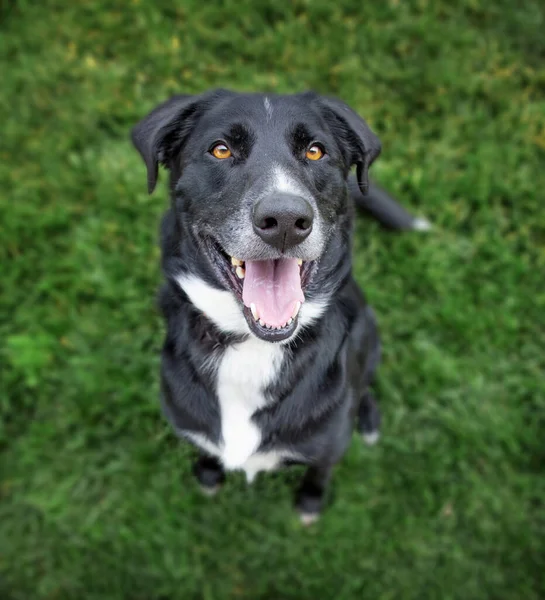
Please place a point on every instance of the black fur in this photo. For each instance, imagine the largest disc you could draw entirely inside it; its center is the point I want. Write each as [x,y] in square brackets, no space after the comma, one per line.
[329,367]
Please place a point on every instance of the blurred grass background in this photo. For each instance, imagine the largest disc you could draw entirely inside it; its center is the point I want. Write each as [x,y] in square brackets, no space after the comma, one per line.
[96,498]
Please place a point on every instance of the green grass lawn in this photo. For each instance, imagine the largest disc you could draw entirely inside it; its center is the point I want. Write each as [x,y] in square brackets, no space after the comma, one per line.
[96,496]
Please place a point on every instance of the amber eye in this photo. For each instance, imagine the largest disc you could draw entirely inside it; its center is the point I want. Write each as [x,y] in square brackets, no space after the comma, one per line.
[221,151]
[315,152]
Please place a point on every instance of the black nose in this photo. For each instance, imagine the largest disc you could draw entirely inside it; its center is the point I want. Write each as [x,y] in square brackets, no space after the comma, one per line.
[283,220]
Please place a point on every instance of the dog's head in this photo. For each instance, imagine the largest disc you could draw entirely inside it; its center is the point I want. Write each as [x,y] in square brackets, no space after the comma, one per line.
[259,187]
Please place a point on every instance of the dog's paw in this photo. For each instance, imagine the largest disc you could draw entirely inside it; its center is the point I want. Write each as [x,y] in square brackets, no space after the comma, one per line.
[371,437]
[209,491]
[421,224]
[308,519]
[209,474]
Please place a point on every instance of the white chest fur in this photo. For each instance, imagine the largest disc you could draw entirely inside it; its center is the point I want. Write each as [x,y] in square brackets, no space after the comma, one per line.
[245,371]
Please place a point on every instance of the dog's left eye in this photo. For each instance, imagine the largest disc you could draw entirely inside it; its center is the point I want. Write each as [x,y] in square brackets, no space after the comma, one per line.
[221,151]
[315,152]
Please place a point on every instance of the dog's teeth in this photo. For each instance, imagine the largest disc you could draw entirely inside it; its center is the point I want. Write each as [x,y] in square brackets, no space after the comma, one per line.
[254,311]
[240,272]
[236,262]
[268,326]
[299,262]
[290,321]
[296,309]
[261,322]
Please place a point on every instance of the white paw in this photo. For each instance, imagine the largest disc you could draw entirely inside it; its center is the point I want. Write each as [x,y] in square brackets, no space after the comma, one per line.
[371,438]
[210,491]
[421,224]
[309,518]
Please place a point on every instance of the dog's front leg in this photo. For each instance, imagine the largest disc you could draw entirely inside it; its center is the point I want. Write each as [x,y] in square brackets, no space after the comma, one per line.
[311,496]
[209,473]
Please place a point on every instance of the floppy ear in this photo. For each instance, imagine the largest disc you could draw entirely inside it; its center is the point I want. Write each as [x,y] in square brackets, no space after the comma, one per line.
[362,143]
[150,135]
[160,136]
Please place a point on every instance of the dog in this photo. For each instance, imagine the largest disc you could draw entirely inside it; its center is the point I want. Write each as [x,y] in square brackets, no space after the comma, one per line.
[271,349]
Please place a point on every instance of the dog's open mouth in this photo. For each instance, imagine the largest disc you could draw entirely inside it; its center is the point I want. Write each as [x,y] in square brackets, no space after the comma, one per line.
[271,291]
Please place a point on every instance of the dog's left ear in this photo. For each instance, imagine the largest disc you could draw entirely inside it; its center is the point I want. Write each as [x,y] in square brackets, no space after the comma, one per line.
[363,145]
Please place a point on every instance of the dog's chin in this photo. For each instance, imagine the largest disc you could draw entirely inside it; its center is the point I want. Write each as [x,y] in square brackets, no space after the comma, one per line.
[231,274]
[268,334]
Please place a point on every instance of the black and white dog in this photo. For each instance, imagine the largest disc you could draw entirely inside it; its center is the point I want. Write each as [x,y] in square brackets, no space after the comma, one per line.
[271,348]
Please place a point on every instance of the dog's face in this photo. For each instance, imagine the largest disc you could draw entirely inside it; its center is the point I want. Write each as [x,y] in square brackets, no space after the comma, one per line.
[259,185]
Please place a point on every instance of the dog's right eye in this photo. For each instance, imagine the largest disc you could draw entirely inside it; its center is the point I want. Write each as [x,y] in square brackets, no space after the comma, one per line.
[315,152]
[220,151]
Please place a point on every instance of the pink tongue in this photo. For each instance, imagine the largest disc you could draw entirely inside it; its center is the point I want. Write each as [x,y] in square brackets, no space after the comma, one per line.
[274,286]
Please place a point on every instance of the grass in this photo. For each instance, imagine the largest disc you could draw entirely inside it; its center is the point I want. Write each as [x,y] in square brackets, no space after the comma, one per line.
[96,495]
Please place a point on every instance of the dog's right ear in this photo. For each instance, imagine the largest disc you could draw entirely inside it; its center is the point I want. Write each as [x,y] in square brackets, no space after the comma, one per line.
[160,136]
[152,135]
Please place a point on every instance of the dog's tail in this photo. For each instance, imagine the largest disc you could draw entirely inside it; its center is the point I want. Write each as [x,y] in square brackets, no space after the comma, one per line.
[387,211]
